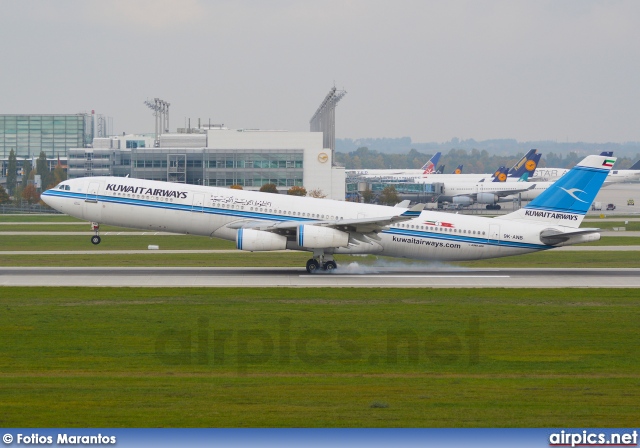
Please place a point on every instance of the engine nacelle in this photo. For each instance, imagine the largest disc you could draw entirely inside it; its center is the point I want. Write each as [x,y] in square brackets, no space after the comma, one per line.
[488,198]
[257,240]
[316,237]
[462,200]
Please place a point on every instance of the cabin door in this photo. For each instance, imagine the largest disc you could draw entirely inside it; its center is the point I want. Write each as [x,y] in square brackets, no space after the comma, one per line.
[92,210]
[494,233]
[92,192]
[198,202]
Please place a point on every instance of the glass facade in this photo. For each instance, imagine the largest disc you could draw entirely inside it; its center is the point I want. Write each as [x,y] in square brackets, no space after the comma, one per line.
[249,168]
[28,135]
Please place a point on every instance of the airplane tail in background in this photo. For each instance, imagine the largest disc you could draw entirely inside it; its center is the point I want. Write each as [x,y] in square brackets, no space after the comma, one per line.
[521,162]
[498,171]
[500,175]
[458,170]
[568,199]
[528,167]
[440,169]
[635,166]
[430,166]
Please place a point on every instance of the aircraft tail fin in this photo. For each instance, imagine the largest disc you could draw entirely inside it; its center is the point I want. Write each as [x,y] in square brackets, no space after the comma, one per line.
[440,169]
[500,175]
[521,162]
[567,200]
[635,166]
[430,166]
[458,170]
[524,178]
[529,166]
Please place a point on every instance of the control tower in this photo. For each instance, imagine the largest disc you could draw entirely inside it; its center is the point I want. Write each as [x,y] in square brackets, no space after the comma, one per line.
[324,120]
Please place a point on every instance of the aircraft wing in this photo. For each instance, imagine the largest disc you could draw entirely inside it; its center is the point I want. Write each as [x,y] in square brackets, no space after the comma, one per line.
[358,225]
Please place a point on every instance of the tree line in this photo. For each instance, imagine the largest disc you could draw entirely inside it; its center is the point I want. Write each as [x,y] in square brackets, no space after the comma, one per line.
[26,189]
[474,161]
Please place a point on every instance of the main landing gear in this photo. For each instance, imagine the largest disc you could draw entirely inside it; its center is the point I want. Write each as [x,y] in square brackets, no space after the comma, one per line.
[95,239]
[321,262]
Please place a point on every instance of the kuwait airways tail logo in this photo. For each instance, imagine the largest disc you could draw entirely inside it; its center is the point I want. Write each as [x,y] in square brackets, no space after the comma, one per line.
[608,163]
[572,192]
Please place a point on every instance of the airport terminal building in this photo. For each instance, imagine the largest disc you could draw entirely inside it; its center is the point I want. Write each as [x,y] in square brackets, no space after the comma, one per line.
[216,156]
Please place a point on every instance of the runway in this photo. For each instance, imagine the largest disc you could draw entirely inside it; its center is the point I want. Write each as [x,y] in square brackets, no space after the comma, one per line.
[352,275]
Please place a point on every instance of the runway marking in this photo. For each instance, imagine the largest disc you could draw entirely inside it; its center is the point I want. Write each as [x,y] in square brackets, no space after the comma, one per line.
[406,276]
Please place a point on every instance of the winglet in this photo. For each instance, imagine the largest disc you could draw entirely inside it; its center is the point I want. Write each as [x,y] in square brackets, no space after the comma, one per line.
[414,211]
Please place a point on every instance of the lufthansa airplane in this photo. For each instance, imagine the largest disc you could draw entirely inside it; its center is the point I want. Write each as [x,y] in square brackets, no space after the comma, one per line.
[266,222]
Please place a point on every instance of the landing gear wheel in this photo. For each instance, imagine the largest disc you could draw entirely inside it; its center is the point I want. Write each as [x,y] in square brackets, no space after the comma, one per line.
[96,239]
[312,265]
[329,266]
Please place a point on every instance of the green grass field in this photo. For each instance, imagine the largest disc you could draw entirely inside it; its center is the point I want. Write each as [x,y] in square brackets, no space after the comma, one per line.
[82,357]
[608,225]
[549,259]
[60,227]
[110,242]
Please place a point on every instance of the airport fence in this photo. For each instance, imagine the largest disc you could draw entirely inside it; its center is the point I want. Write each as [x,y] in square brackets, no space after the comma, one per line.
[25,208]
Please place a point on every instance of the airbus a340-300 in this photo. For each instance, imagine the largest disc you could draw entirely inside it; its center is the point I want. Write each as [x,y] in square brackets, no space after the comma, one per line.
[266,222]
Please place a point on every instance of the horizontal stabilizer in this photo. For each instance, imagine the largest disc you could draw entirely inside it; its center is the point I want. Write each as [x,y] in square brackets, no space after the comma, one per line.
[554,237]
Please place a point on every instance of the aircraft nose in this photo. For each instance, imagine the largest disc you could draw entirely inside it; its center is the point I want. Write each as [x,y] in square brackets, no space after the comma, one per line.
[51,200]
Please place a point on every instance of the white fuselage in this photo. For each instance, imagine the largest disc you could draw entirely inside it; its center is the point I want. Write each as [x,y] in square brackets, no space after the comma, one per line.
[210,211]
[529,192]
[614,176]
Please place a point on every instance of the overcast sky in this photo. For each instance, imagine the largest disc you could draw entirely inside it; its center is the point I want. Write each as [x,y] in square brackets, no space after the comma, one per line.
[430,70]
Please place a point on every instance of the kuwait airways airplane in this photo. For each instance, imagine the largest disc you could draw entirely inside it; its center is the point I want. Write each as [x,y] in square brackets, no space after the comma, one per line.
[266,222]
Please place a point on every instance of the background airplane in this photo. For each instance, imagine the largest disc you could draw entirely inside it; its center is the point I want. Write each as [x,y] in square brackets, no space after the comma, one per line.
[615,176]
[429,167]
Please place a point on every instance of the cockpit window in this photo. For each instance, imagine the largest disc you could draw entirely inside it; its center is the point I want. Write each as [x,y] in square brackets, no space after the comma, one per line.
[64,187]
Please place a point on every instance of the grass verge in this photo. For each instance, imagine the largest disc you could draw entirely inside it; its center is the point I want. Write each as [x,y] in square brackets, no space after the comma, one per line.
[146,357]
[568,259]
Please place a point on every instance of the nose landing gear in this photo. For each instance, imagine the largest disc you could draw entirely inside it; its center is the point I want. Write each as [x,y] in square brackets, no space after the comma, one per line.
[95,239]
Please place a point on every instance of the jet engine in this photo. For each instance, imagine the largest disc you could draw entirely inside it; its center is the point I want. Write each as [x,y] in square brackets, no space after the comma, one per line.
[462,200]
[315,237]
[258,240]
[488,198]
